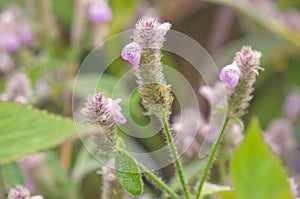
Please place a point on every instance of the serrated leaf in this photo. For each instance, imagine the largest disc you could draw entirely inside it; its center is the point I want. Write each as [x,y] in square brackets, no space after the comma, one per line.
[12,174]
[256,172]
[128,174]
[25,130]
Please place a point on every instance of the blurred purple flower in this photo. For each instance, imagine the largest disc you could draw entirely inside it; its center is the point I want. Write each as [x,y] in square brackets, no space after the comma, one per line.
[9,41]
[26,35]
[6,63]
[215,95]
[99,12]
[230,74]
[210,132]
[279,136]
[291,106]
[18,89]
[29,183]
[14,30]
[32,161]
[132,53]
[42,88]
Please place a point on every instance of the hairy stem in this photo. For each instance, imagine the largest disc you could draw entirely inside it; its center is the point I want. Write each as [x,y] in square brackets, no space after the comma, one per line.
[158,181]
[211,157]
[154,178]
[176,159]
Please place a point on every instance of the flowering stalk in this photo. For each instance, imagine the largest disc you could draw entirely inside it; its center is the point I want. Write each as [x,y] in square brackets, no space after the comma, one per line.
[248,61]
[211,158]
[239,77]
[105,112]
[145,55]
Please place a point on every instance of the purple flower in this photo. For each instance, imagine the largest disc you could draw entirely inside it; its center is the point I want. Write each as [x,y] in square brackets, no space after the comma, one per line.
[231,75]
[99,12]
[116,110]
[132,53]
[9,41]
[291,106]
[103,111]
[279,136]
[25,34]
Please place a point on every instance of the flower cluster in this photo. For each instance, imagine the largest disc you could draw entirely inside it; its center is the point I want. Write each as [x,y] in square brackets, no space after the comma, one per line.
[105,112]
[14,30]
[145,55]
[20,192]
[148,39]
[240,77]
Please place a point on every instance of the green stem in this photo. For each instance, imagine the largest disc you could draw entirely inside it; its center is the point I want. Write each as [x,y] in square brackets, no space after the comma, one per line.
[211,157]
[155,178]
[158,181]
[176,159]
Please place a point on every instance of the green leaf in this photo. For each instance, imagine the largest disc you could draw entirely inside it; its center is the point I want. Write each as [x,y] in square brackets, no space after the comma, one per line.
[123,11]
[256,172]
[25,130]
[128,174]
[12,174]
[224,192]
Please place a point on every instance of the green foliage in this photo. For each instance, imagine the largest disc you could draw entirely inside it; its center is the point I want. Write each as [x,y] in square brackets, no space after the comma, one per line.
[12,174]
[128,174]
[25,130]
[255,171]
[123,11]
